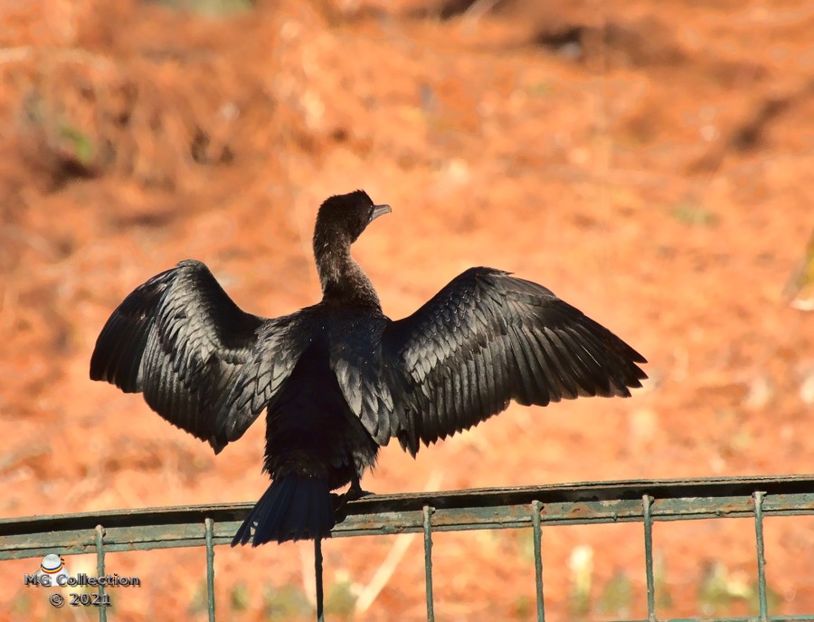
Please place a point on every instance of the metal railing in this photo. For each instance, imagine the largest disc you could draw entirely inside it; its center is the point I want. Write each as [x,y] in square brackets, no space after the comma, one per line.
[531,507]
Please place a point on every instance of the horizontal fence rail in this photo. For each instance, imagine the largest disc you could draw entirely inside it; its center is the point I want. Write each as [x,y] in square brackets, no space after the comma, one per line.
[533,507]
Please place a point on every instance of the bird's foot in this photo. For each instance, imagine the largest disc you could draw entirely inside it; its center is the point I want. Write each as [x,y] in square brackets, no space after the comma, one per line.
[355,492]
[341,500]
[340,506]
[338,500]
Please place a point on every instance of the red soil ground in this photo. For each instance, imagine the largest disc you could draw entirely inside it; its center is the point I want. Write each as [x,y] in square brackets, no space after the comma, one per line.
[648,161]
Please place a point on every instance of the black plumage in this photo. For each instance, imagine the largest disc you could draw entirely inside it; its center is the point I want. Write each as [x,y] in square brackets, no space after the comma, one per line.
[339,379]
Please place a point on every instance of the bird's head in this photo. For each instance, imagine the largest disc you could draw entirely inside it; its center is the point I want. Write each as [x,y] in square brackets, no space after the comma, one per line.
[347,215]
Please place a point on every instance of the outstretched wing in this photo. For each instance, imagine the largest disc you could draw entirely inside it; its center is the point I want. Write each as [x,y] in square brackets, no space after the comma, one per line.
[487,338]
[181,341]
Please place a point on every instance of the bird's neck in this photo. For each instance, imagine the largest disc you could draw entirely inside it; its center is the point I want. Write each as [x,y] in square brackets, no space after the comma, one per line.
[342,279]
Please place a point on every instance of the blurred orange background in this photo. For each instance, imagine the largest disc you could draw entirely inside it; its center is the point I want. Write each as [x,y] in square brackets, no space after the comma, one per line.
[650,162]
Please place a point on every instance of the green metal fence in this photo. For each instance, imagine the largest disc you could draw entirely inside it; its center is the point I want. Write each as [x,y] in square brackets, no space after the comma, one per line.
[532,508]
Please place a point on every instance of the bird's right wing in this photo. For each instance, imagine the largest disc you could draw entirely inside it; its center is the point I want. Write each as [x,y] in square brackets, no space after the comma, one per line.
[202,363]
[487,338]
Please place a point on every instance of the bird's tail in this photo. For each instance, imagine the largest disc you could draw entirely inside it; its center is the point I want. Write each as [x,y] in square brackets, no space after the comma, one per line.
[293,508]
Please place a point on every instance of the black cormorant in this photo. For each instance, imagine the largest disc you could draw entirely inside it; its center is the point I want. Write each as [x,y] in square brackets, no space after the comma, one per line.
[339,379]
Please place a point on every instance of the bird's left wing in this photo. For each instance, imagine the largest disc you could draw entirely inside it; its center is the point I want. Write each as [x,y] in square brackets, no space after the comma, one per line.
[487,338]
[202,363]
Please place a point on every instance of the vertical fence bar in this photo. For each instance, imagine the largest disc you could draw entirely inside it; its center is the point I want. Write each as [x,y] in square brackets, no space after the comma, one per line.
[647,501]
[100,571]
[428,563]
[761,558]
[320,592]
[209,527]
[538,558]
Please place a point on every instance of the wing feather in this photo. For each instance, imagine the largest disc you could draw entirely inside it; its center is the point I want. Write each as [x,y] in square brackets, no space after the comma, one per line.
[181,341]
[487,338]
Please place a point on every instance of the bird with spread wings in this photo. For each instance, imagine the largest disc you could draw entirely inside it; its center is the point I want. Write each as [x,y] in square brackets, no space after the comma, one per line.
[339,379]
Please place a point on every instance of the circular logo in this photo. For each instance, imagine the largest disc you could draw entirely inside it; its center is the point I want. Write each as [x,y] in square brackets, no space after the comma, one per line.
[51,563]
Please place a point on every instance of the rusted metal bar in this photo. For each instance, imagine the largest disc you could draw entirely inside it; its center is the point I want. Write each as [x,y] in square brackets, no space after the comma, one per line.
[318,578]
[647,500]
[607,502]
[210,567]
[99,534]
[180,526]
[761,558]
[713,488]
[794,618]
[427,511]
[391,514]
[538,558]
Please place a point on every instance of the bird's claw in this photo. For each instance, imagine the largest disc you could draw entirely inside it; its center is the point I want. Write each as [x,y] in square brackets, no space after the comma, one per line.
[356,492]
[341,500]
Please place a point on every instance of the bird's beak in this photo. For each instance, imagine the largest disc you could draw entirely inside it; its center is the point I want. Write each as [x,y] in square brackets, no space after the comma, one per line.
[379,210]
